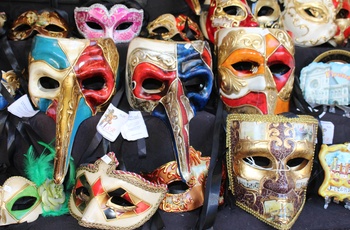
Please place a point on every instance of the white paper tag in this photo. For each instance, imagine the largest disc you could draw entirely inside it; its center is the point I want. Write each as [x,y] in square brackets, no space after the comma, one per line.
[111,122]
[22,107]
[135,128]
[106,159]
[327,132]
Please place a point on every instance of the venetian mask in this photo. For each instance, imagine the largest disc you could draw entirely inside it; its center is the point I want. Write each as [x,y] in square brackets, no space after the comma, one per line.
[226,14]
[267,13]
[47,23]
[107,198]
[311,22]
[20,201]
[120,23]
[255,69]
[10,81]
[269,164]
[171,80]
[179,28]
[343,23]
[192,197]
[71,80]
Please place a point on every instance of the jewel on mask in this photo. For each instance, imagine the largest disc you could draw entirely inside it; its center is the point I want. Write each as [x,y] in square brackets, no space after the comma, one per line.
[171,80]
[269,164]
[45,22]
[120,23]
[71,80]
[255,69]
[106,198]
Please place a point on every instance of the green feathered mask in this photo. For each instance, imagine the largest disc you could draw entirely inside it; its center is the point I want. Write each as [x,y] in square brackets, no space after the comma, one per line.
[39,170]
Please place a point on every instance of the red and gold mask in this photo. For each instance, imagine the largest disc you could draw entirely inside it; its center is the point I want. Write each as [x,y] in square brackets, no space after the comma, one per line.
[47,23]
[269,164]
[256,69]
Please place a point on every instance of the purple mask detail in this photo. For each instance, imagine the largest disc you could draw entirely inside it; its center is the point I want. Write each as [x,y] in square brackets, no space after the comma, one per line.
[120,23]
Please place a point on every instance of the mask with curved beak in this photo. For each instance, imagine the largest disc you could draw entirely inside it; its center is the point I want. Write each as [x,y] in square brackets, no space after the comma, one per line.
[71,80]
[171,80]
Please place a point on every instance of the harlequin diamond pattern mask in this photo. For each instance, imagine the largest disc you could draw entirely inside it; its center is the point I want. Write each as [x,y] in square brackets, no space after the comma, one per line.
[71,80]
[107,198]
[269,164]
[171,80]
[256,69]
[119,23]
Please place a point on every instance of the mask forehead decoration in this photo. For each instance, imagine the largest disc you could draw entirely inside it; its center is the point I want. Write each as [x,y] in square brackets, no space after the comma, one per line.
[226,14]
[171,80]
[191,198]
[335,163]
[48,23]
[71,80]
[20,201]
[267,13]
[269,164]
[106,198]
[255,69]
[312,23]
[120,23]
[343,23]
[179,28]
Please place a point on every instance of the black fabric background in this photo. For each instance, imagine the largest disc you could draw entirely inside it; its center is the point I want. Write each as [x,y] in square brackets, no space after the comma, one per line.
[159,147]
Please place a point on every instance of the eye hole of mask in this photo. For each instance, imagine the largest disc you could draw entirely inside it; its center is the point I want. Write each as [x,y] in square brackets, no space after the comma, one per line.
[94,83]
[246,67]
[297,163]
[265,11]
[94,25]
[49,83]
[152,85]
[177,187]
[279,69]
[343,13]
[22,28]
[234,10]
[24,203]
[195,84]
[314,12]
[82,193]
[160,30]
[124,26]
[257,161]
[116,198]
[54,28]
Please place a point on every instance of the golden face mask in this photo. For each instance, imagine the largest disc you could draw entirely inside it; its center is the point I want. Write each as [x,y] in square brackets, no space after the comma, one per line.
[269,164]
[47,23]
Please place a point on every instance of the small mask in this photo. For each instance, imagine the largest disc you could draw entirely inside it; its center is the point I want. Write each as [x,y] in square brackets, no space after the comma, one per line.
[10,81]
[226,14]
[269,164]
[48,23]
[256,69]
[312,23]
[191,198]
[171,80]
[335,163]
[3,19]
[120,23]
[20,201]
[71,80]
[179,28]
[343,23]
[106,198]
[267,13]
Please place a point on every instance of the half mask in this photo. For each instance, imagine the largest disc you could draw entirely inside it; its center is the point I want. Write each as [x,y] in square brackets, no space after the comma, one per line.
[226,14]
[48,23]
[343,23]
[171,80]
[267,13]
[107,198]
[120,23]
[255,69]
[10,81]
[312,23]
[71,80]
[269,164]
[179,28]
